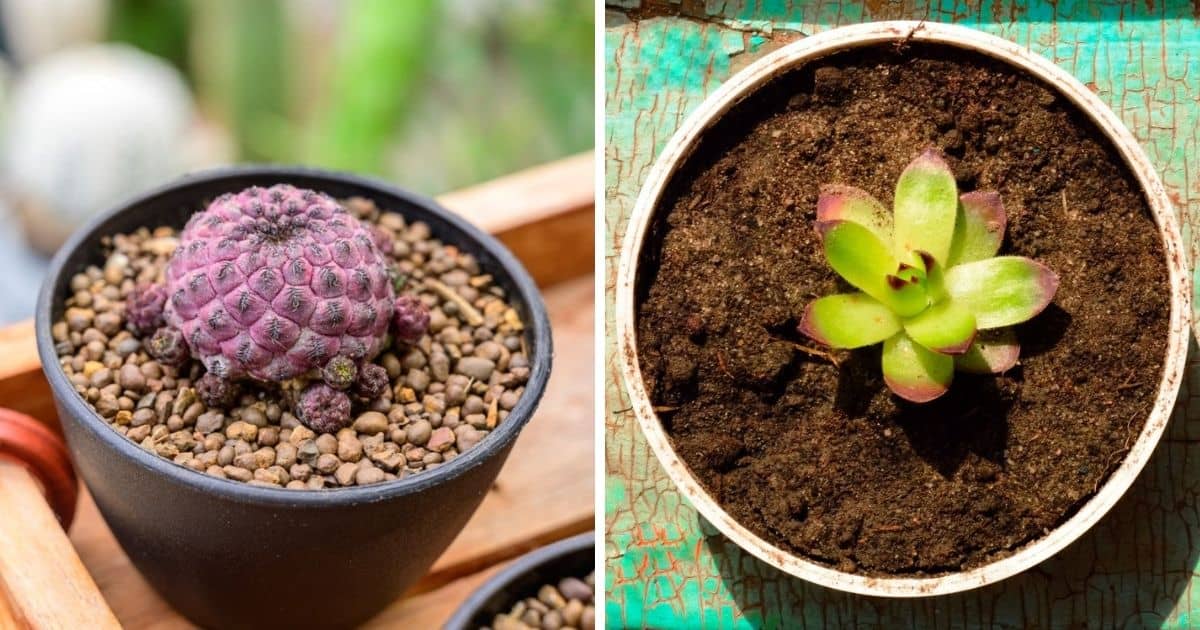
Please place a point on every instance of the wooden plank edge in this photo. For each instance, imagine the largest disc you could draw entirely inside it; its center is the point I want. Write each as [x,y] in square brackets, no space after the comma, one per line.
[440,576]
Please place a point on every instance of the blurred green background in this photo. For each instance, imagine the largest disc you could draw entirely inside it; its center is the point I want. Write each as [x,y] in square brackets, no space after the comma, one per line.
[430,93]
[102,99]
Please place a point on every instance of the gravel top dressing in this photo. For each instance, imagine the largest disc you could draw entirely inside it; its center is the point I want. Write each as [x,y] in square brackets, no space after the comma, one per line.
[444,391]
[807,447]
[568,606]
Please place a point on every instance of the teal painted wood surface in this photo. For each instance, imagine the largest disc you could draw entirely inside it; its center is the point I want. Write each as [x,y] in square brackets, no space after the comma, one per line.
[668,568]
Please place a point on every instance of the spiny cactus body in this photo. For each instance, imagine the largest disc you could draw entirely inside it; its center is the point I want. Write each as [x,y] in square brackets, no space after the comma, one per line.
[280,285]
[272,283]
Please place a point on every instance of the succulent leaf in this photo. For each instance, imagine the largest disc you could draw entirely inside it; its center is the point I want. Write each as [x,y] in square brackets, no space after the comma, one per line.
[848,320]
[992,352]
[913,371]
[925,207]
[847,203]
[858,256]
[946,327]
[908,296]
[1002,291]
[978,229]
[935,280]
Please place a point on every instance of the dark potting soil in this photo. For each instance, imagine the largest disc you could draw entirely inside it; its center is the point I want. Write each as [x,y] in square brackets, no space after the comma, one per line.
[822,460]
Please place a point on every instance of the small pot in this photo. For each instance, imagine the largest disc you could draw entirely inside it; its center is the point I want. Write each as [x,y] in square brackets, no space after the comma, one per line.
[230,555]
[570,557]
[806,51]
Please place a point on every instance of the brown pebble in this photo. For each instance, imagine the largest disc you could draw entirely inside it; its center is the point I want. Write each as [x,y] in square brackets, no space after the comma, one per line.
[268,476]
[240,430]
[552,620]
[327,463]
[252,415]
[368,474]
[345,473]
[108,323]
[300,471]
[575,588]
[131,378]
[268,436]
[441,440]
[285,454]
[208,422]
[78,319]
[308,452]
[350,449]
[370,423]
[300,434]
[192,413]
[264,457]
[101,378]
[238,473]
[419,432]
[550,596]
[572,612]
[326,443]
[152,370]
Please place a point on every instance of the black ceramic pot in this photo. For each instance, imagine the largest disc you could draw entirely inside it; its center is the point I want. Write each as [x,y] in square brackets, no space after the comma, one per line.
[571,557]
[231,555]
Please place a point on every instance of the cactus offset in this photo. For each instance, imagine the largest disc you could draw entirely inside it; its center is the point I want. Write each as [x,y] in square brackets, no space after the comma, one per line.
[144,308]
[323,408]
[411,319]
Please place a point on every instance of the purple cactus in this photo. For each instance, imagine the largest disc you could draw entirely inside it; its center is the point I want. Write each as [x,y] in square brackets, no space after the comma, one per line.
[270,284]
[372,381]
[278,284]
[383,240]
[168,347]
[323,408]
[340,372]
[410,319]
[144,308]
[216,392]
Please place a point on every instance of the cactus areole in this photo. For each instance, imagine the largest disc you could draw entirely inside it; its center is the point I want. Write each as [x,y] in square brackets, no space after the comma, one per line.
[931,287]
[280,285]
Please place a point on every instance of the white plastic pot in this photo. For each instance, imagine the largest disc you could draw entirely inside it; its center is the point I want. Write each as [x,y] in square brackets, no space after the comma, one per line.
[807,50]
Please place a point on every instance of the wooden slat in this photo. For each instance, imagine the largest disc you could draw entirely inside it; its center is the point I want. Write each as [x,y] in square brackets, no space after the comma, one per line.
[23,387]
[432,609]
[538,214]
[42,582]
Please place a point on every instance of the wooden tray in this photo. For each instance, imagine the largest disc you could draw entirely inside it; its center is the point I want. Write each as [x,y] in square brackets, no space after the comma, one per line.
[545,491]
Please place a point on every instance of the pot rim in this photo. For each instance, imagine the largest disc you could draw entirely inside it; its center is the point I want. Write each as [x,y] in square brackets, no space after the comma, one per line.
[794,55]
[466,612]
[526,292]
